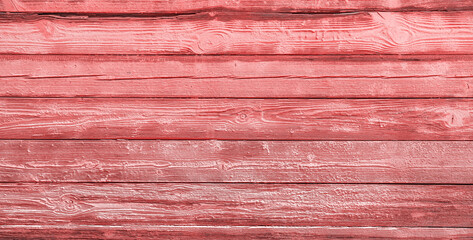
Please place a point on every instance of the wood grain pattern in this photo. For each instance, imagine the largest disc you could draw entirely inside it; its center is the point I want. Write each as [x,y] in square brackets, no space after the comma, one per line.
[236,119]
[234,232]
[237,161]
[236,76]
[189,6]
[264,119]
[236,33]
[237,204]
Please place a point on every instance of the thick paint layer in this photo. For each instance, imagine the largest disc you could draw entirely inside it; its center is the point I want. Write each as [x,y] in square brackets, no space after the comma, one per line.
[171,179]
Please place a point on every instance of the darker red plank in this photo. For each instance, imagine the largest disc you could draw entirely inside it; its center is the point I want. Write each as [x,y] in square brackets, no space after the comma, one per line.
[186,6]
[237,161]
[234,232]
[236,33]
[264,119]
[236,76]
[236,204]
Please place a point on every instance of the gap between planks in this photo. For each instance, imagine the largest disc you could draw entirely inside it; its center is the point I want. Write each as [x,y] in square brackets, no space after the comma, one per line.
[239,183]
[233,232]
[190,6]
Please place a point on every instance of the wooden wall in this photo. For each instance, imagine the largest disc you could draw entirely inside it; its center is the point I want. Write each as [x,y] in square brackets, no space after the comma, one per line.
[236,119]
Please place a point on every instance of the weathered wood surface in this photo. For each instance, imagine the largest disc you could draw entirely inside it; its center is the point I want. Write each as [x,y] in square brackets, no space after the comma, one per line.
[190,6]
[263,119]
[237,204]
[236,33]
[236,76]
[237,161]
[169,145]
[224,232]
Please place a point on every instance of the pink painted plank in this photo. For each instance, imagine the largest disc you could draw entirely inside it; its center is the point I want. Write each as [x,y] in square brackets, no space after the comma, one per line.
[237,204]
[236,76]
[227,232]
[238,119]
[237,161]
[236,33]
[186,6]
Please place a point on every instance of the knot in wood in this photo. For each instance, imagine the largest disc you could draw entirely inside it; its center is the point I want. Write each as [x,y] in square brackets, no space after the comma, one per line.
[211,42]
[67,204]
[396,28]
[242,116]
[47,28]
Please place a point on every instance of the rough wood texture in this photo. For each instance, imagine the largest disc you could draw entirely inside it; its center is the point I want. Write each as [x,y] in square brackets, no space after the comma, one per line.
[189,6]
[237,204]
[264,119]
[236,119]
[237,161]
[234,232]
[236,76]
[236,33]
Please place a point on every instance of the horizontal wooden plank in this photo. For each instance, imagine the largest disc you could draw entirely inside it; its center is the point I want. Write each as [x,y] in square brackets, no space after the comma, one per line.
[236,76]
[189,6]
[236,33]
[237,161]
[237,204]
[226,232]
[264,119]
